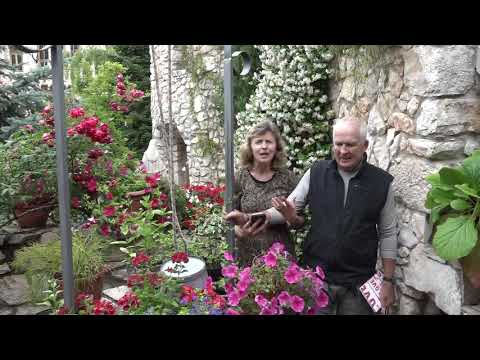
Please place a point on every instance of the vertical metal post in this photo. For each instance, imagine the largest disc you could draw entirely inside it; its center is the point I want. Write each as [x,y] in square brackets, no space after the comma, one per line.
[62,174]
[228,132]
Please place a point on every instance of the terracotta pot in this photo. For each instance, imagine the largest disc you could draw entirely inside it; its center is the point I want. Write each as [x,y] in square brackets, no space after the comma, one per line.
[471,266]
[93,286]
[34,218]
[136,196]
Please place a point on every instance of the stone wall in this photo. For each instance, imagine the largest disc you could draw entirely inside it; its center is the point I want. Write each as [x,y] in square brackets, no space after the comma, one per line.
[198,133]
[422,104]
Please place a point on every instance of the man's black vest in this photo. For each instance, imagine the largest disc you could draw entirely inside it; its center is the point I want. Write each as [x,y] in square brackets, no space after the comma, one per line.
[343,240]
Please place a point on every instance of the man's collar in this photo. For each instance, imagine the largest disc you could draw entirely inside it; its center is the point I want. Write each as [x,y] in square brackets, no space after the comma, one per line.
[333,165]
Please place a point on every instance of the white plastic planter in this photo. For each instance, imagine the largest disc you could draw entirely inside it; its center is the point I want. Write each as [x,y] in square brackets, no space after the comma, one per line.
[194,276]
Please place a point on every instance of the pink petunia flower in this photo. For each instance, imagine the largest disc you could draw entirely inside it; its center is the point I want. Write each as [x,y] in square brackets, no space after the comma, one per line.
[297,303]
[319,272]
[293,274]
[109,196]
[230,271]
[277,248]
[284,298]
[270,259]
[322,300]
[242,285]
[245,274]
[233,298]
[261,301]
[231,311]
[228,256]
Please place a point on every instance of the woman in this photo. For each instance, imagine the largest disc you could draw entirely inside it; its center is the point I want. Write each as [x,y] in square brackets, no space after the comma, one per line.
[262,176]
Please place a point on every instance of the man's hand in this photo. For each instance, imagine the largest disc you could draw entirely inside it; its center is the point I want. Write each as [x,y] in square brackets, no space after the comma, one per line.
[387,295]
[286,208]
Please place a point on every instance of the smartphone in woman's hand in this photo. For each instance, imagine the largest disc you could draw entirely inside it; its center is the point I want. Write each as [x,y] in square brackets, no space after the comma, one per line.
[256,216]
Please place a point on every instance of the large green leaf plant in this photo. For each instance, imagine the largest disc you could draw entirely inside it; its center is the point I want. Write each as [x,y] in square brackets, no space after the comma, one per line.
[454,200]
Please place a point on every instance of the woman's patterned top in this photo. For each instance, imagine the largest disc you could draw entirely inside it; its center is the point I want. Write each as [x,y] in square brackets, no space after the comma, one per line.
[252,195]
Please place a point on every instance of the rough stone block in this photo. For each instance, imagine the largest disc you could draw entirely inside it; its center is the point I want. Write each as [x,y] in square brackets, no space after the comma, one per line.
[437,150]
[407,238]
[4,269]
[14,290]
[31,309]
[448,117]
[472,144]
[409,306]
[409,291]
[410,185]
[402,122]
[403,252]
[440,280]
[376,124]
[439,70]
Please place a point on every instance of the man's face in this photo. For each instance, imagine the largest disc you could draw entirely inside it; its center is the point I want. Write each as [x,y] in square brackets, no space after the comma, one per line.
[348,146]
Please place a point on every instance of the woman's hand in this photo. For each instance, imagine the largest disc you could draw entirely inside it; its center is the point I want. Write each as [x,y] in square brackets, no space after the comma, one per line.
[236,217]
[252,228]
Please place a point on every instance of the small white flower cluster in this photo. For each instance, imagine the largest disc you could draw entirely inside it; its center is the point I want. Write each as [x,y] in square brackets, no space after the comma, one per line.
[292,91]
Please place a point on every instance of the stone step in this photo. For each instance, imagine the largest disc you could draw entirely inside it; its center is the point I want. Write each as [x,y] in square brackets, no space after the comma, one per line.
[2,257]
[4,269]
[116,293]
[471,310]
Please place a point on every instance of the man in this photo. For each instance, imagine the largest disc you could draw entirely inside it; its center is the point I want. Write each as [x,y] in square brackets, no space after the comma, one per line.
[352,206]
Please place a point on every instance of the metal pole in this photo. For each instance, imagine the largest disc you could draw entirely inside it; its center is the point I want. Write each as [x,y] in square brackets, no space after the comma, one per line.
[228,130]
[62,174]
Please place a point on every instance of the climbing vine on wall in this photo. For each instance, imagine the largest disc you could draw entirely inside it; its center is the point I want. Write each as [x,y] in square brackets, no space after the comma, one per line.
[292,91]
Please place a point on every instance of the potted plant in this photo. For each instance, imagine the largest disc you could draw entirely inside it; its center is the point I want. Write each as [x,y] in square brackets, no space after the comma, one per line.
[43,261]
[454,201]
[28,178]
[273,285]
[208,242]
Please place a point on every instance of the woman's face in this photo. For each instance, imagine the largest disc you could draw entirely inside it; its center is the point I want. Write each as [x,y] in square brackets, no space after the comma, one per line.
[264,148]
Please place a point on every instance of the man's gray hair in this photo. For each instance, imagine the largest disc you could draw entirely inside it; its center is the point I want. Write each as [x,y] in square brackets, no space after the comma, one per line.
[351,119]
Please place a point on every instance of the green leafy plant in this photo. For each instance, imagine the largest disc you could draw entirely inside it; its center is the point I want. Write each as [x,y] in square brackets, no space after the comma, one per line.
[43,261]
[28,169]
[454,200]
[209,239]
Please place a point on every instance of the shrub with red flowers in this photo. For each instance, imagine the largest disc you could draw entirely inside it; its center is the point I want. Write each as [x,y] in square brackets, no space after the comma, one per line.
[124,96]
[202,200]
[273,285]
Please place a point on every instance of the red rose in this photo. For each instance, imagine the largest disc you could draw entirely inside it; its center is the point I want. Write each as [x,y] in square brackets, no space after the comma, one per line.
[109,211]
[105,230]
[76,202]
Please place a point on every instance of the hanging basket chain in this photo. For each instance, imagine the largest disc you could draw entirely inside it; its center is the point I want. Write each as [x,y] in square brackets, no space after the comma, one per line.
[169,140]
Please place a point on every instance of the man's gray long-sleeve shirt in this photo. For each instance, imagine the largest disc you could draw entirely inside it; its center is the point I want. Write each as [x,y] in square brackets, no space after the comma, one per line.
[387,224]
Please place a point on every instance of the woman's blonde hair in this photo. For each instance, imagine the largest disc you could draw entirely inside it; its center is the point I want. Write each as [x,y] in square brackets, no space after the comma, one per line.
[246,154]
